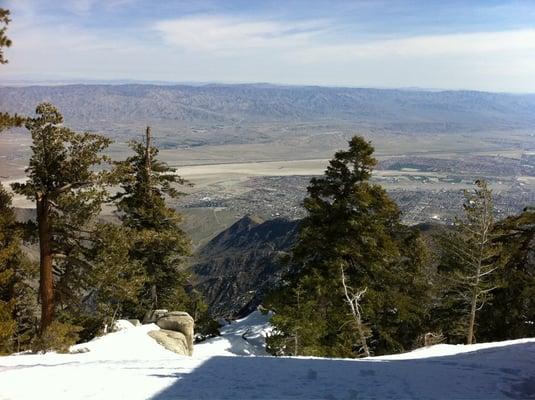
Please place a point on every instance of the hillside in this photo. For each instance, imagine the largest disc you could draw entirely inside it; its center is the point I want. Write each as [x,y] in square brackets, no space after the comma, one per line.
[236,268]
[129,364]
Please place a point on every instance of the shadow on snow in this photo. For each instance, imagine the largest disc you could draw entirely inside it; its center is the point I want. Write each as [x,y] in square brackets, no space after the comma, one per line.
[500,372]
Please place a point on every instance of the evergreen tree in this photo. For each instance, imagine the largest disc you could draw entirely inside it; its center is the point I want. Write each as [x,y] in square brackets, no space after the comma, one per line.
[116,280]
[470,263]
[9,262]
[16,306]
[297,329]
[510,313]
[104,283]
[205,325]
[67,192]
[4,40]
[6,120]
[354,227]
[16,322]
[10,121]
[160,244]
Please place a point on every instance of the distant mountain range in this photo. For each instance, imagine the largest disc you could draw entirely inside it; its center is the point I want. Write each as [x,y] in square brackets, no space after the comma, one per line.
[121,108]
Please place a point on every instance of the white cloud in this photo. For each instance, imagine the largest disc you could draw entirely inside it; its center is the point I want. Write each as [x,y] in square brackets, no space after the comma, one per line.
[224,34]
[80,7]
[43,47]
[461,44]
[221,34]
[227,48]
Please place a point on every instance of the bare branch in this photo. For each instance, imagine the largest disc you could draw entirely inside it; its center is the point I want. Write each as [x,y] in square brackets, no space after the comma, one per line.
[353,299]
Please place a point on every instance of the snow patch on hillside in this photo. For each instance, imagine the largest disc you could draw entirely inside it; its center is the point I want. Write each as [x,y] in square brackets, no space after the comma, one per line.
[243,337]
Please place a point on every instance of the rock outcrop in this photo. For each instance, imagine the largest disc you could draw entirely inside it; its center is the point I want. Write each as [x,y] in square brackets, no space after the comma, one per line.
[173,341]
[179,321]
[176,331]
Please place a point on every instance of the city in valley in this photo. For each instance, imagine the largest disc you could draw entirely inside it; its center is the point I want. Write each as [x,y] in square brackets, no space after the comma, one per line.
[427,189]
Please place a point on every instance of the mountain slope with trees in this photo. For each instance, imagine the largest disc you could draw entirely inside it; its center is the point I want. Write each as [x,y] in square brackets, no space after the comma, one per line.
[237,268]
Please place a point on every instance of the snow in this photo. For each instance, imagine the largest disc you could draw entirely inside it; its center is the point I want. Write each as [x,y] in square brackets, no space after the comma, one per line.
[244,337]
[129,364]
[441,350]
[122,324]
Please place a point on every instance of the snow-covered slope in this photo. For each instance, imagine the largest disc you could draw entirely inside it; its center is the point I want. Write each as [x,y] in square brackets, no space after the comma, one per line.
[244,337]
[129,364]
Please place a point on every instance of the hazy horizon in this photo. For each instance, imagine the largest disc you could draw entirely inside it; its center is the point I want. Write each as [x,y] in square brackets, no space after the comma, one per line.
[28,81]
[454,45]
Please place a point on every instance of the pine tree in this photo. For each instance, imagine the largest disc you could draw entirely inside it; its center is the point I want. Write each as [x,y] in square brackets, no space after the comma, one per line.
[4,40]
[16,272]
[160,244]
[354,227]
[9,261]
[104,283]
[13,287]
[6,120]
[10,121]
[470,263]
[116,279]
[67,192]
[297,330]
[205,325]
[510,313]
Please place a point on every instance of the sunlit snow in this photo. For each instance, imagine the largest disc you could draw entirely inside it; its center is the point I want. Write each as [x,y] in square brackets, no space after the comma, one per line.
[129,364]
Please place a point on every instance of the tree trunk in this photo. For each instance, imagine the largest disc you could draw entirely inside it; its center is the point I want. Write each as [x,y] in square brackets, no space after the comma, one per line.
[148,161]
[296,334]
[475,292]
[362,336]
[154,297]
[473,306]
[46,283]
[470,336]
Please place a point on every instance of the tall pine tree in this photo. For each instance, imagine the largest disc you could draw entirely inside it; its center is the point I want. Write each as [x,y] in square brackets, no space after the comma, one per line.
[351,235]
[160,244]
[67,192]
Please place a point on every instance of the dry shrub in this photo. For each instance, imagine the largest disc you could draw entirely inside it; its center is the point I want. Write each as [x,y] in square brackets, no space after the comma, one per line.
[57,337]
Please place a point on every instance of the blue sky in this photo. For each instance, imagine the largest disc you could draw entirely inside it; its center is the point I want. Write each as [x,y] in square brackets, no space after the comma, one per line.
[481,45]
